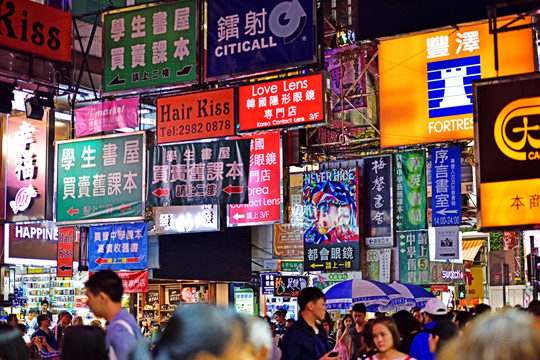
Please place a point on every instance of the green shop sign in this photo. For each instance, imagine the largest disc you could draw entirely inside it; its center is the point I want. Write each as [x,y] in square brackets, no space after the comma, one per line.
[410,188]
[100,178]
[150,46]
[292,266]
[414,257]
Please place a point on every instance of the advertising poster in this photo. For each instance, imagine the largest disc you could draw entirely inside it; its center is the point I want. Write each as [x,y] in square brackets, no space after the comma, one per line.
[289,285]
[248,37]
[100,178]
[446,186]
[202,115]
[436,70]
[199,173]
[283,103]
[446,242]
[414,267]
[512,241]
[106,116]
[150,46]
[378,201]
[118,247]
[378,262]
[264,183]
[267,283]
[410,189]
[288,240]
[331,233]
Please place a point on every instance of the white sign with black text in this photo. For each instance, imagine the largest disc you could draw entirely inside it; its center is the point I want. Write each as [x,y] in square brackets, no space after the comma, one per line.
[446,242]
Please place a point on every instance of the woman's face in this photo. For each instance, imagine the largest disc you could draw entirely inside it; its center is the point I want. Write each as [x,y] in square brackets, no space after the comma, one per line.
[382,337]
[326,327]
[144,323]
[347,322]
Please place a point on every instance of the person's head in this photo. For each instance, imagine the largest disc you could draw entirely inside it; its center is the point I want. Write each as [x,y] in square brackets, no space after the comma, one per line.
[44,306]
[340,323]
[326,326]
[311,301]
[406,323]
[440,334]
[534,308]
[96,323]
[272,328]
[359,313]
[12,320]
[83,343]
[367,337]
[482,308]
[502,336]
[64,317]
[12,346]
[259,337]
[434,310]
[22,328]
[78,320]
[418,315]
[279,318]
[346,321]
[385,334]
[43,321]
[104,290]
[289,322]
[267,318]
[462,318]
[32,313]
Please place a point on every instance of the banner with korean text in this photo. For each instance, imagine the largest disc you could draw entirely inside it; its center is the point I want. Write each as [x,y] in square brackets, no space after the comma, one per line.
[106,116]
[446,186]
[199,173]
[410,189]
[331,232]
[149,46]
[101,178]
[118,247]
[414,257]
[378,201]
[244,36]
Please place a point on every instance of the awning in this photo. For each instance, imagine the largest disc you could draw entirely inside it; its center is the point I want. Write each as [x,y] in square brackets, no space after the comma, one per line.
[470,248]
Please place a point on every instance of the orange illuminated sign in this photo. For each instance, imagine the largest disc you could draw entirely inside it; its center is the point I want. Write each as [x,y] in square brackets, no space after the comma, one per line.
[425,80]
[37,29]
[202,115]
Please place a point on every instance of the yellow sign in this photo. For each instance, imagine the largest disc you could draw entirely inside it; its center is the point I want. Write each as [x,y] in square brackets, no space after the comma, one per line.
[476,289]
[425,80]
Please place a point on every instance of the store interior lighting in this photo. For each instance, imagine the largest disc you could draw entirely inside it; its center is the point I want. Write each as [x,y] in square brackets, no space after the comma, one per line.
[35,105]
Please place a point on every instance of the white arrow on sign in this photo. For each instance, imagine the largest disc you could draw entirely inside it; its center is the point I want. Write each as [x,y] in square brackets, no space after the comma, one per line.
[446,211]
[238,216]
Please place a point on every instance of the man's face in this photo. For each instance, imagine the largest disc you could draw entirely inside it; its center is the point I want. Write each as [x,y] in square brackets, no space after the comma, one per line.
[65,320]
[46,323]
[44,308]
[279,318]
[94,302]
[319,309]
[418,316]
[359,318]
[14,321]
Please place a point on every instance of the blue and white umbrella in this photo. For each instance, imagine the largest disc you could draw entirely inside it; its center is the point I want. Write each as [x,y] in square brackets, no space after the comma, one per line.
[414,294]
[372,293]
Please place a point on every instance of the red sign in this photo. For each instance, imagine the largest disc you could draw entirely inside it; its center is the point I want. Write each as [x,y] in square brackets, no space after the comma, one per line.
[264,181]
[134,281]
[64,258]
[283,103]
[439,288]
[202,115]
[37,29]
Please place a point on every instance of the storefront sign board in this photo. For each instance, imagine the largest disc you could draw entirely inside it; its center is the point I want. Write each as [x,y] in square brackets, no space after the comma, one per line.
[106,116]
[66,237]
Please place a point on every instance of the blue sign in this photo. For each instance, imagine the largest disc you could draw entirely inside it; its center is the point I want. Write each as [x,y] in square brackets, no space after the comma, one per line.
[251,36]
[446,186]
[118,247]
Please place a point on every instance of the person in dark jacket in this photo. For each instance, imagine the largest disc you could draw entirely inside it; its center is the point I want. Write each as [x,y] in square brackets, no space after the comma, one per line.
[306,340]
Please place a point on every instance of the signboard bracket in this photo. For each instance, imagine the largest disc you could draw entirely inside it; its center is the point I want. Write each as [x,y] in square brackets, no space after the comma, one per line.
[85,53]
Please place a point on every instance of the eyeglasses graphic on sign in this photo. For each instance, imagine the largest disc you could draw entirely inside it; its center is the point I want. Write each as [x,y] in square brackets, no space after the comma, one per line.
[514,129]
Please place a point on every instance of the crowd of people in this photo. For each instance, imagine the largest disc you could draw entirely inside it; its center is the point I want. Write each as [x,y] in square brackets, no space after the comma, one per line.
[204,332]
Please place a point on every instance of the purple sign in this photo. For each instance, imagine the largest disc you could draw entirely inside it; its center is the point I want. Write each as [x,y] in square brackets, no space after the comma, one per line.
[107,116]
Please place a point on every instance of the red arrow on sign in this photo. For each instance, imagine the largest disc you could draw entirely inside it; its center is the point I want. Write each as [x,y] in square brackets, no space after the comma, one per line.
[233,189]
[161,192]
[132,260]
[101,261]
[72,211]
[124,207]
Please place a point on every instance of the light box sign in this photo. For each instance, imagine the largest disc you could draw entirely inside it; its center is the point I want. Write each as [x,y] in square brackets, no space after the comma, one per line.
[101,178]
[201,115]
[264,184]
[283,103]
[106,116]
[414,257]
[446,186]
[66,238]
[150,45]
[187,219]
[37,29]
[28,193]
[410,190]
[248,37]
[288,240]
[425,80]
[134,282]
[508,152]
[289,285]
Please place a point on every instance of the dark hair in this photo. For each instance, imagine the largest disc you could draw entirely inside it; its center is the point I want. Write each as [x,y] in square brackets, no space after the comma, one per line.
[278,313]
[446,330]
[309,294]
[45,301]
[108,282]
[83,343]
[40,319]
[367,336]
[463,317]
[406,323]
[22,328]
[534,308]
[482,308]
[63,313]
[392,327]
[415,310]
[11,316]
[359,307]
[346,316]
[32,311]
[12,346]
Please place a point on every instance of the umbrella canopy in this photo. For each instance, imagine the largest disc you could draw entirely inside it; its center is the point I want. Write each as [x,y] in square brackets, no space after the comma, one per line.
[414,294]
[372,293]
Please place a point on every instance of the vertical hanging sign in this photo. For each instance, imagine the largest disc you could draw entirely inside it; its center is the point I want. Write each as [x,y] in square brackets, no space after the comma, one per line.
[446,186]
[65,251]
[410,200]
[414,257]
[378,261]
[378,200]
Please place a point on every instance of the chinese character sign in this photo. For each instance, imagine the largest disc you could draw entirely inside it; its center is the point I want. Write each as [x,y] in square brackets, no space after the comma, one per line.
[288,240]
[100,178]
[410,190]
[199,173]
[414,257]
[244,37]
[134,282]
[378,201]
[331,233]
[378,262]
[150,46]
[289,285]
[105,116]
[118,247]
[446,186]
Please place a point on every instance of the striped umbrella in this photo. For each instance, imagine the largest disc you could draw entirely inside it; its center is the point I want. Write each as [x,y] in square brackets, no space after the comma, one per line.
[415,295]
